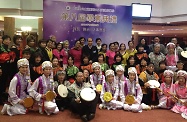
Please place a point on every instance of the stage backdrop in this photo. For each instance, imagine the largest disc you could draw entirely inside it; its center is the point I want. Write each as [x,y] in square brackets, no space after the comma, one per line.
[71,20]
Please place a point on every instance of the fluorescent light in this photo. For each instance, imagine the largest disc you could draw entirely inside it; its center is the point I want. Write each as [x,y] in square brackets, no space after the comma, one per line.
[26,28]
[25,17]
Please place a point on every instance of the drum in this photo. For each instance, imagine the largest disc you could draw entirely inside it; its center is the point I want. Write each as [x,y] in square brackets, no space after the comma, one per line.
[99,87]
[87,95]
[50,95]
[50,105]
[152,92]
[28,102]
[62,91]
[129,99]
[184,54]
[107,96]
[154,83]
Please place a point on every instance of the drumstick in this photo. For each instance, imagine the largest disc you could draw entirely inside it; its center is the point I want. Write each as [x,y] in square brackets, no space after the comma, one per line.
[175,97]
[170,94]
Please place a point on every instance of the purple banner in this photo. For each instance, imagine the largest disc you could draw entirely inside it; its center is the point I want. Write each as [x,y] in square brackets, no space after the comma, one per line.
[70,21]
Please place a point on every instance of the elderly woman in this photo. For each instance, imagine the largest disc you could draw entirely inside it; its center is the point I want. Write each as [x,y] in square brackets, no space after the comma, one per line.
[156,57]
[65,52]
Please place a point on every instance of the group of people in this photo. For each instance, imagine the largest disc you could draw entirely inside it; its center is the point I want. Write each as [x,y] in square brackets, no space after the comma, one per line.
[119,77]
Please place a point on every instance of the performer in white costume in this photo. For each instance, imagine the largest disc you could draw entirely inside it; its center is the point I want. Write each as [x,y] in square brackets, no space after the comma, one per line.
[131,87]
[18,90]
[97,77]
[120,78]
[111,86]
[41,86]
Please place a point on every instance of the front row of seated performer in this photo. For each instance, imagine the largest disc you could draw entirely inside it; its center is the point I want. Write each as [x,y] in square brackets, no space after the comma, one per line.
[129,91]
[114,90]
[41,87]
[20,88]
[82,98]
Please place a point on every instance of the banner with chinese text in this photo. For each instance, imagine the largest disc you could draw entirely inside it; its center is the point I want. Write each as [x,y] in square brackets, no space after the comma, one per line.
[72,20]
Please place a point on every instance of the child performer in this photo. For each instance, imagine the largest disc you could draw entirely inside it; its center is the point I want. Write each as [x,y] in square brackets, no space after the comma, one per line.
[131,87]
[120,78]
[110,86]
[171,57]
[166,100]
[181,92]
[96,79]
[41,86]
[18,90]
[120,74]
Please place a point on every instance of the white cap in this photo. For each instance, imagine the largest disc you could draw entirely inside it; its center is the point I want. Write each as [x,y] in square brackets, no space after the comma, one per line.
[109,72]
[96,64]
[46,64]
[182,73]
[168,73]
[170,44]
[22,62]
[119,68]
[132,70]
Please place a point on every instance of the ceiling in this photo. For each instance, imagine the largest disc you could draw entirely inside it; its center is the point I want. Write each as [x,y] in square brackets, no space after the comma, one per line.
[178,29]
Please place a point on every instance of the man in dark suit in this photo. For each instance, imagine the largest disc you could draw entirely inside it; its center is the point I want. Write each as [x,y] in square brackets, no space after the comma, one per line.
[90,50]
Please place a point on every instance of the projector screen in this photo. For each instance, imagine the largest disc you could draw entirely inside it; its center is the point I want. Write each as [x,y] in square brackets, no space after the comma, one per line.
[141,11]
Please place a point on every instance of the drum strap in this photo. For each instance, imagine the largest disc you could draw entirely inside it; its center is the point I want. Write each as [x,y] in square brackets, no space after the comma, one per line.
[40,90]
[98,81]
[18,86]
[126,90]
[40,86]
[105,87]
[112,89]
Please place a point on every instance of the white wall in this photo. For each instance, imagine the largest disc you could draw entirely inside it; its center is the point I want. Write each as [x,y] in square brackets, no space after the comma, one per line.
[174,7]
[10,4]
[156,4]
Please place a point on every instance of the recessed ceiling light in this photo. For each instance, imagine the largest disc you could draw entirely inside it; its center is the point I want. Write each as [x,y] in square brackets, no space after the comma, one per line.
[162,34]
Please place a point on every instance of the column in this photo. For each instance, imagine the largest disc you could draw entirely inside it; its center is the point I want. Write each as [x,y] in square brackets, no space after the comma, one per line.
[40,28]
[9,26]
[135,39]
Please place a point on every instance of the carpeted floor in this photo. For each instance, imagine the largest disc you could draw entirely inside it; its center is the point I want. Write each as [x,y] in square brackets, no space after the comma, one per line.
[157,115]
